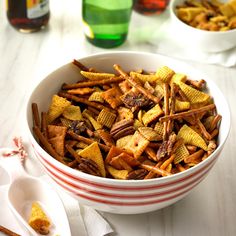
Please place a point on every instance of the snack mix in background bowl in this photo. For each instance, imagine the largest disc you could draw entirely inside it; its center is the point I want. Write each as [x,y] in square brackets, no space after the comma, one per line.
[207,25]
[127,132]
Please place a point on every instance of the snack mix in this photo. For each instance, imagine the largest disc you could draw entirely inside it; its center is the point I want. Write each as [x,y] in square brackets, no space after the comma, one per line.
[129,125]
[208,15]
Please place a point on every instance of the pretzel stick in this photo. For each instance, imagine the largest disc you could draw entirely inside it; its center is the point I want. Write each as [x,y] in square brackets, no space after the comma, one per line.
[8,232]
[154,145]
[180,167]
[214,133]
[214,123]
[151,174]
[167,162]
[35,110]
[191,148]
[203,129]
[82,100]
[155,169]
[73,153]
[198,84]
[193,157]
[183,96]
[86,140]
[44,124]
[187,113]
[172,107]
[151,153]
[166,110]
[47,145]
[72,164]
[80,65]
[142,90]
[93,83]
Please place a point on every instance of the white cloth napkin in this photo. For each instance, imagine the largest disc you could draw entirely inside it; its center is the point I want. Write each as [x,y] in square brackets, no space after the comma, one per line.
[84,221]
[158,32]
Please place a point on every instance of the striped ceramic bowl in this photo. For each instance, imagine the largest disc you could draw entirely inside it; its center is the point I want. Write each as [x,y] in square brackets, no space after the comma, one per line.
[122,196]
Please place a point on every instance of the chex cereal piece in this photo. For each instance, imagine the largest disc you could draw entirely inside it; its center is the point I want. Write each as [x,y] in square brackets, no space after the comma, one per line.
[93,152]
[150,134]
[56,136]
[112,96]
[137,124]
[124,114]
[177,78]
[152,114]
[106,118]
[96,76]
[191,137]
[159,91]
[122,142]
[164,74]
[137,144]
[96,97]
[181,153]
[81,91]
[194,96]
[144,78]
[94,123]
[117,174]
[159,127]
[57,106]
[72,112]
[181,105]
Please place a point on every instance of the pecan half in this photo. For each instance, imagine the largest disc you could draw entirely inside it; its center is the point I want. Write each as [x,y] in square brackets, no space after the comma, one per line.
[137,174]
[166,147]
[122,128]
[124,132]
[132,99]
[89,166]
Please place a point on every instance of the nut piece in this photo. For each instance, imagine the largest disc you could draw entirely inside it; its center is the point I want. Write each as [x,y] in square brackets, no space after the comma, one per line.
[137,174]
[122,128]
[89,166]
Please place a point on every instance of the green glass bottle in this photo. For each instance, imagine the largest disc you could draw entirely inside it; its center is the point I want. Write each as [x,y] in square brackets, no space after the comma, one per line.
[106,22]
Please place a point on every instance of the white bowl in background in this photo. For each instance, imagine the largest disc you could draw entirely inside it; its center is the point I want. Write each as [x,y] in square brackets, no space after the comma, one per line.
[123,196]
[209,41]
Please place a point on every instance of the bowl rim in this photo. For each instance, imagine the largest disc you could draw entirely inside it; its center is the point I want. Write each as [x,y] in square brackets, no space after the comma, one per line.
[97,179]
[176,18]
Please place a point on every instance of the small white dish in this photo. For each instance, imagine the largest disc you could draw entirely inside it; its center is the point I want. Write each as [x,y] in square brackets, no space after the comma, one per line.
[208,41]
[24,190]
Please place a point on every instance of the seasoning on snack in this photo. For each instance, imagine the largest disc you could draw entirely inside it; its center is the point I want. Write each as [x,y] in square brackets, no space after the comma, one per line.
[38,220]
[208,15]
[130,124]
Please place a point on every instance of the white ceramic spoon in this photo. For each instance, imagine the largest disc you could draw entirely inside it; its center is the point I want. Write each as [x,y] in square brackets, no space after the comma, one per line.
[24,189]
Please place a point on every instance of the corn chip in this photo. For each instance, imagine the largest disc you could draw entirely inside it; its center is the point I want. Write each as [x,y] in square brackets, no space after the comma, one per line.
[191,137]
[96,76]
[93,152]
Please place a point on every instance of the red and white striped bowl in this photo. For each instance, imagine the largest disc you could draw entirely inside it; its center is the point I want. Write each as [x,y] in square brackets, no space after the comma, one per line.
[123,196]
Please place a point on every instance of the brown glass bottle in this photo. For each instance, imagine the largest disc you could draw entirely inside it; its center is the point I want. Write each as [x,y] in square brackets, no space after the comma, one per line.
[28,15]
[148,7]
